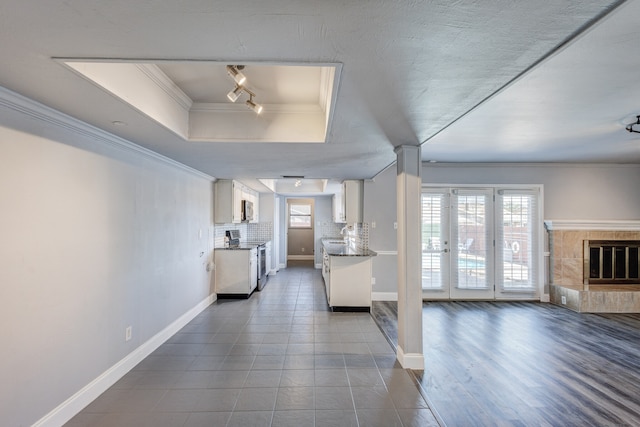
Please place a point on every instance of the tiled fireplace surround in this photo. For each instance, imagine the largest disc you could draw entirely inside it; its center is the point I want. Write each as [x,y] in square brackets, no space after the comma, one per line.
[566,247]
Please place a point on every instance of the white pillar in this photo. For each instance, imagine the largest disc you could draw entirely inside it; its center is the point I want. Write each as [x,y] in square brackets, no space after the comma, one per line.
[409,186]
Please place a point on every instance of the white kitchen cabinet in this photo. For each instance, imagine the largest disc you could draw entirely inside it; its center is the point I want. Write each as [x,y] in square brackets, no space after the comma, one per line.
[236,271]
[347,205]
[347,281]
[228,201]
[338,208]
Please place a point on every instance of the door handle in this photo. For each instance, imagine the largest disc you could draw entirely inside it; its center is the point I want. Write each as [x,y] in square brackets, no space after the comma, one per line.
[445,250]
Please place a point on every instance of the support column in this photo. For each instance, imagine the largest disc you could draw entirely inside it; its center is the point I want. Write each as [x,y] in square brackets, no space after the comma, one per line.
[409,189]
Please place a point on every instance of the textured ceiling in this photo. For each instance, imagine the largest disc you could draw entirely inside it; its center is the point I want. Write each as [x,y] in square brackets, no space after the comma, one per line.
[412,72]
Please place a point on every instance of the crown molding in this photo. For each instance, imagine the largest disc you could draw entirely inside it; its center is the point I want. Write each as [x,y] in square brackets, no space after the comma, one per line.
[157,76]
[38,111]
[593,225]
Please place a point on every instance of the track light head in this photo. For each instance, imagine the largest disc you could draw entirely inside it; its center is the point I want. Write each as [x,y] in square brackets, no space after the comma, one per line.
[235,73]
[234,94]
[257,108]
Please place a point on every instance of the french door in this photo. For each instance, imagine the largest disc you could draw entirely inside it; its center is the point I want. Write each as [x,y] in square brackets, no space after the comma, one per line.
[479,243]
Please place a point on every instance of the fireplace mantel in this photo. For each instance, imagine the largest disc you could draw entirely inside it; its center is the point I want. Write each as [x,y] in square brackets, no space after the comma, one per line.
[592,225]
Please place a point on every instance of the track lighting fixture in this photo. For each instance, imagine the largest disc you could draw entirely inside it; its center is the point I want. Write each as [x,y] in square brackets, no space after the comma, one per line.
[257,108]
[631,125]
[234,72]
[234,94]
[241,80]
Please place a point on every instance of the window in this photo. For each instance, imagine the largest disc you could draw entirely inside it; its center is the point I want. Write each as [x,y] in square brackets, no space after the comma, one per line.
[299,216]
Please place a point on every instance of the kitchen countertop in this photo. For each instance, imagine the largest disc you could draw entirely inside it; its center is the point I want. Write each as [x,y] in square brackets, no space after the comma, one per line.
[246,246]
[341,249]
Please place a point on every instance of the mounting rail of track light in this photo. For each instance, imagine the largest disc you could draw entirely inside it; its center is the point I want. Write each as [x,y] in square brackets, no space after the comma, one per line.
[631,125]
[235,71]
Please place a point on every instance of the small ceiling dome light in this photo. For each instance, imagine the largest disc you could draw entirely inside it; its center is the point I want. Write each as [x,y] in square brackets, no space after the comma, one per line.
[257,108]
[234,72]
[234,94]
[631,125]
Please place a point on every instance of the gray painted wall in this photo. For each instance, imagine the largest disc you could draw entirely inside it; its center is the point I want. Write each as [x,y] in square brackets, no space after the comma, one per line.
[577,192]
[94,239]
[380,207]
[324,224]
[589,192]
[267,214]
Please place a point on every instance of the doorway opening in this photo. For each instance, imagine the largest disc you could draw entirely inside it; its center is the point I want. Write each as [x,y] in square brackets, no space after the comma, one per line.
[300,230]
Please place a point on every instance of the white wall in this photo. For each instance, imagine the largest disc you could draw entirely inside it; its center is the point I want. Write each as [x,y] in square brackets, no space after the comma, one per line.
[95,238]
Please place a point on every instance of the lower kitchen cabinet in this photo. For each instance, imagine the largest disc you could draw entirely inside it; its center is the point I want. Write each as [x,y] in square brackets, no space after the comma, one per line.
[236,272]
[347,282]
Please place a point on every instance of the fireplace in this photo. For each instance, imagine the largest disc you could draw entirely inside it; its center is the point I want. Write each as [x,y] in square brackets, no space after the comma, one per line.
[594,266]
[611,262]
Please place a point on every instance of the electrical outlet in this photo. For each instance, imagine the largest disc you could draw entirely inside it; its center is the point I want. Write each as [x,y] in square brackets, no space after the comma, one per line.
[373,280]
[302,250]
[373,224]
[127,333]
[563,299]
[395,225]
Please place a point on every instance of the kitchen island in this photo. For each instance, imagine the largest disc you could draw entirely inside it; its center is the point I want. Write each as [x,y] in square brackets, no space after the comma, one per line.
[347,275]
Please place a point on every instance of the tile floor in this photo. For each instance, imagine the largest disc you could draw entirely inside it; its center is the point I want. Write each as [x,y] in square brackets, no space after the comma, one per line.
[280,358]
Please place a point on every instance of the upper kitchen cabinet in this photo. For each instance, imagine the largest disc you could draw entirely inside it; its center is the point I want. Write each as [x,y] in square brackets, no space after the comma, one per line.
[347,205]
[228,201]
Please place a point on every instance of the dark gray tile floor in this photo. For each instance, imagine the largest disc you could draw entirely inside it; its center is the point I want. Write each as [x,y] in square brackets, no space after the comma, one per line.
[280,358]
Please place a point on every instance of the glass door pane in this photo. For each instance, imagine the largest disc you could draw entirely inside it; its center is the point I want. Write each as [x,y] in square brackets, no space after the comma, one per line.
[516,233]
[435,254]
[472,244]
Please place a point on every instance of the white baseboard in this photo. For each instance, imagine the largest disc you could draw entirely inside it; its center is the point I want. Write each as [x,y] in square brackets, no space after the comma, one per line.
[273,272]
[70,407]
[410,360]
[282,266]
[300,257]
[545,298]
[384,296]
[318,266]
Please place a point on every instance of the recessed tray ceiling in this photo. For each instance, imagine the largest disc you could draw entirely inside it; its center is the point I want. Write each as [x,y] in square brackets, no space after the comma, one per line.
[190,97]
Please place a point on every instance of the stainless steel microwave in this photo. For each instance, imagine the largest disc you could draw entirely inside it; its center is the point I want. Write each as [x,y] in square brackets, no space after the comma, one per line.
[247,210]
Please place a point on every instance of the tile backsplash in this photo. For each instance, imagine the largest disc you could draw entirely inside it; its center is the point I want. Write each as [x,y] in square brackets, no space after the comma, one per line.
[253,232]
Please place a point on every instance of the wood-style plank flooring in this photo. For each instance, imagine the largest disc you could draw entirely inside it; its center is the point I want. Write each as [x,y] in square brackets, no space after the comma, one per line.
[526,364]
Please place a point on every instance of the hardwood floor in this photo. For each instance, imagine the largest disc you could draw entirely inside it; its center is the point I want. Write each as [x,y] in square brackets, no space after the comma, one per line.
[526,364]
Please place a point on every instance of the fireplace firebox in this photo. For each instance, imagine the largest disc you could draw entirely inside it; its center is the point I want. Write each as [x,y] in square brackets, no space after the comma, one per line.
[611,262]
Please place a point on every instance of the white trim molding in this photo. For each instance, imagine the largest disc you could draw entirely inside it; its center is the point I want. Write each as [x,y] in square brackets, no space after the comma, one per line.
[73,405]
[384,296]
[413,361]
[594,225]
[385,252]
[300,257]
[35,110]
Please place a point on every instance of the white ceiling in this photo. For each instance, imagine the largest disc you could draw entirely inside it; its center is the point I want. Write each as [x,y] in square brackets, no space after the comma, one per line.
[471,80]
